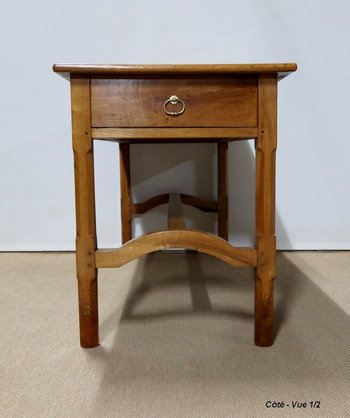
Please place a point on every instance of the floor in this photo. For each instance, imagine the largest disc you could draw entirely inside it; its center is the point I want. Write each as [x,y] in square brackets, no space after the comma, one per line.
[176,335]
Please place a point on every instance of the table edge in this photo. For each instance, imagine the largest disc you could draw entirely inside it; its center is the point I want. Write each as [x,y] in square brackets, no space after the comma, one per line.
[281,69]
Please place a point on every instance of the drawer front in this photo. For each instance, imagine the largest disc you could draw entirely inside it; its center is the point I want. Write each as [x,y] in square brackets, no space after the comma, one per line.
[210,102]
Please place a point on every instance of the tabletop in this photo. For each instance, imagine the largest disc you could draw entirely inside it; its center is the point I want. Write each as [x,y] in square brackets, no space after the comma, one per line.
[281,69]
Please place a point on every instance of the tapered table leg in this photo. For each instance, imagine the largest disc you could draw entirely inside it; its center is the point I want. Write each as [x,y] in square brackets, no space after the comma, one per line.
[85,211]
[266,144]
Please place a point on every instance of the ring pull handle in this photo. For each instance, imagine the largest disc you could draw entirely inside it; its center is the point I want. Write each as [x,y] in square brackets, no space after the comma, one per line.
[174,100]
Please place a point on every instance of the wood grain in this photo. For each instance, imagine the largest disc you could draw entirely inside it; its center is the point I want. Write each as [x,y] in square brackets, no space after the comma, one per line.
[85,211]
[266,145]
[280,69]
[176,219]
[222,149]
[125,103]
[125,192]
[154,135]
[162,199]
[200,204]
[191,239]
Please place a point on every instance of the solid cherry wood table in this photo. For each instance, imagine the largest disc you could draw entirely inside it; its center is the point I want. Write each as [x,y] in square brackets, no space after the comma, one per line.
[135,104]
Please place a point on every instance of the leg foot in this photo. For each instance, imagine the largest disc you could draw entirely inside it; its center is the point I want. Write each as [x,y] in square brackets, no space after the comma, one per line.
[88,313]
[264,332]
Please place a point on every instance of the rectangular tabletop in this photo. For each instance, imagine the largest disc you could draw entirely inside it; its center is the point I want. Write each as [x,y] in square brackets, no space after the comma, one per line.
[281,69]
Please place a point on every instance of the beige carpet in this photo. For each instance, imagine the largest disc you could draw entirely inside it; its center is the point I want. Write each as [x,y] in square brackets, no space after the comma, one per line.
[176,339]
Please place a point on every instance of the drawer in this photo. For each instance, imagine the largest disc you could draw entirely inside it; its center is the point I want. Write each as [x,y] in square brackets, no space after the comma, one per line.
[203,102]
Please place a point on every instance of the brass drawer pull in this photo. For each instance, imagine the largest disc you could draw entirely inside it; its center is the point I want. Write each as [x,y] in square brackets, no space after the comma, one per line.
[174,100]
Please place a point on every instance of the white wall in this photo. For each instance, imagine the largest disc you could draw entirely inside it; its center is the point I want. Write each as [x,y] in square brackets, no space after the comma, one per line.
[36,182]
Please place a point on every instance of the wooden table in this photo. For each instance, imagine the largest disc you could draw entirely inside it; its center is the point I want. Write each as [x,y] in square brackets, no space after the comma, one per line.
[135,104]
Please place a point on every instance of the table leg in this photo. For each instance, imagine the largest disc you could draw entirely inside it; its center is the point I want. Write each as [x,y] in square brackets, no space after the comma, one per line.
[265,211]
[125,192]
[222,149]
[85,211]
